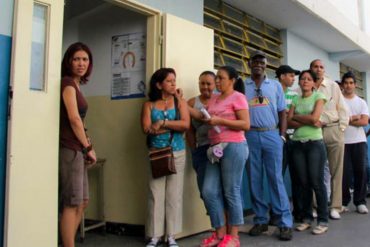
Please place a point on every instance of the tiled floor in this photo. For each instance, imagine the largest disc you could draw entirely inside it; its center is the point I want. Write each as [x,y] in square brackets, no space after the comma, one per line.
[352,230]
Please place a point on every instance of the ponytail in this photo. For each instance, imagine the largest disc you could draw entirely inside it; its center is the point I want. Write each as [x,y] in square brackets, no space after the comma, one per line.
[233,74]
[239,85]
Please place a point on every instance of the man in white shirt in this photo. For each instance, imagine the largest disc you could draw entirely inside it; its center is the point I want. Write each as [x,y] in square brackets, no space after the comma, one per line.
[334,121]
[355,151]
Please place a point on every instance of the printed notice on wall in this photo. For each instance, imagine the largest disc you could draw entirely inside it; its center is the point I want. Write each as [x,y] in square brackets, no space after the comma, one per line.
[128,66]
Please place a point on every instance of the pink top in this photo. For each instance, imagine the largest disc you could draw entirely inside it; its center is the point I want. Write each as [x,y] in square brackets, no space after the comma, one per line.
[226,108]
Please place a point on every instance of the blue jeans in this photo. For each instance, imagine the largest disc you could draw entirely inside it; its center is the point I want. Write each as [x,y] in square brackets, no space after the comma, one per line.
[266,151]
[309,160]
[221,186]
[200,160]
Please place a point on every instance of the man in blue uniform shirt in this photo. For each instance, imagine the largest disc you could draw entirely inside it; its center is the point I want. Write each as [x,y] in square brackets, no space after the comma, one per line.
[265,140]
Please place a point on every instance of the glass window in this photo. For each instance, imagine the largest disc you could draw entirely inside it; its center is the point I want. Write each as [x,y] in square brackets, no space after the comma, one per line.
[217,40]
[38,48]
[232,29]
[233,46]
[212,21]
[218,59]
[233,13]
[237,63]
[212,4]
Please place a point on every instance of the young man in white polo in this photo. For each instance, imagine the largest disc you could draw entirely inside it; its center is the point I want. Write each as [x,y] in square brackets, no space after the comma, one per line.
[355,150]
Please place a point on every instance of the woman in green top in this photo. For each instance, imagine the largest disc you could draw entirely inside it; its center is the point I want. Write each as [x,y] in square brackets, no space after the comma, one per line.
[309,154]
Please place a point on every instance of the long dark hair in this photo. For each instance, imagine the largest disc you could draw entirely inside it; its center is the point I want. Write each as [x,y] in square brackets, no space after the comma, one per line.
[68,57]
[159,76]
[233,74]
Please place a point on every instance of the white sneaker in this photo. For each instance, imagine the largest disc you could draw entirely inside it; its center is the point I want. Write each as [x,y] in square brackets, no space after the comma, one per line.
[334,214]
[154,242]
[362,209]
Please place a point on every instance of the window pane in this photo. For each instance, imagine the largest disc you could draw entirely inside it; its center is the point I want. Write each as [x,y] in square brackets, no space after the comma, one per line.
[234,62]
[233,13]
[38,48]
[234,30]
[233,46]
[212,22]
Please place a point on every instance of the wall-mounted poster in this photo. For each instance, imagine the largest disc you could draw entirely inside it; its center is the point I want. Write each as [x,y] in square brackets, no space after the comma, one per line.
[128,66]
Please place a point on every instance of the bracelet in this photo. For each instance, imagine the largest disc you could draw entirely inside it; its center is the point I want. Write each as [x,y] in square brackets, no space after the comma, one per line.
[164,123]
[87,149]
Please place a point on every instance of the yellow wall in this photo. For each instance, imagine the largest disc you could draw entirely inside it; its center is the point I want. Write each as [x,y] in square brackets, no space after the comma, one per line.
[115,129]
[114,126]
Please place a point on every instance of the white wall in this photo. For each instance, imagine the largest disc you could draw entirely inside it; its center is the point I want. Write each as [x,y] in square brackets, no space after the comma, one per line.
[349,8]
[364,8]
[97,31]
[6,17]
[191,10]
[367,87]
[299,53]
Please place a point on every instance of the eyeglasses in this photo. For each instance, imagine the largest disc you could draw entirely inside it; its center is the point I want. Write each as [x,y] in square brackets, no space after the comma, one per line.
[259,95]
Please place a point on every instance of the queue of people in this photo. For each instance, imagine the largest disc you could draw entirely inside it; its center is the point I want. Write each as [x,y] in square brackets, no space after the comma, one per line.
[260,125]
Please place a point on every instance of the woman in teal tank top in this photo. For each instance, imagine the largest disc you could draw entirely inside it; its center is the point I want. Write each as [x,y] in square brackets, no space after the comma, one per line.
[159,118]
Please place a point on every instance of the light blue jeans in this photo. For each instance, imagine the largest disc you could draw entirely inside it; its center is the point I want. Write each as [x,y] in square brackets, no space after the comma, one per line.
[266,153]
[221,186]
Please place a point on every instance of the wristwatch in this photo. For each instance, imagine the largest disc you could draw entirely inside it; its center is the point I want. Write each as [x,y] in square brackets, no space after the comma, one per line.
[87,149]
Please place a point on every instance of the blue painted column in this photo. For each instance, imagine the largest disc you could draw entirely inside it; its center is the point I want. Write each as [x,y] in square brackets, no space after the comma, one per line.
[6,22]
[5,54]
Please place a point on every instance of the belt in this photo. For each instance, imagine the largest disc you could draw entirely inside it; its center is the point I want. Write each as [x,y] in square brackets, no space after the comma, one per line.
[336,123]
[263,128]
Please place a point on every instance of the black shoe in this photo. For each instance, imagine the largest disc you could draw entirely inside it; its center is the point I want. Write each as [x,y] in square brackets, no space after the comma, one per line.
[274,220]
[258,229]
[285,233]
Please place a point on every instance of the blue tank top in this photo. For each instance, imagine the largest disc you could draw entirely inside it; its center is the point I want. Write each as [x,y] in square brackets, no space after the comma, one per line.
[162,140]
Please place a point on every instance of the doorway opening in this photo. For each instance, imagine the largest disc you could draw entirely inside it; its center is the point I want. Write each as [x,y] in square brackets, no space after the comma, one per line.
[123,56]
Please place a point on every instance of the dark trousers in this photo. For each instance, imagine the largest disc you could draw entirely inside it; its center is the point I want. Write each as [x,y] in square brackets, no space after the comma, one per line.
[288,163]
[355,158]
[308,164]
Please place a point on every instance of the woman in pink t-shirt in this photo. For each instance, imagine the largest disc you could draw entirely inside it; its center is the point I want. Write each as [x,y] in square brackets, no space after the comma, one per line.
[223,176]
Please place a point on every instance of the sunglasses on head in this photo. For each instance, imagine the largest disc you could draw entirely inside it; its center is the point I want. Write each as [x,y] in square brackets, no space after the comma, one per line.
[259,95]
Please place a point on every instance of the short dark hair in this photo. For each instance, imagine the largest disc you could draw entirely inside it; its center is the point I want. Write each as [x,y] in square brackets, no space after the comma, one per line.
[347,75]
[314,61]
[233,74]
[159,76]
[207,72]
[67,60]
[313,75]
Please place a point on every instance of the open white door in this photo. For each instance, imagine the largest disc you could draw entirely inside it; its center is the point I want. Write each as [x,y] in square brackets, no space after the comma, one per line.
[188,48]
[32,171]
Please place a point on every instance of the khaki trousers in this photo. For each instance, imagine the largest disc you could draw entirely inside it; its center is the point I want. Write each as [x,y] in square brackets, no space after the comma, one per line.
[334,142]
[165,196]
